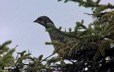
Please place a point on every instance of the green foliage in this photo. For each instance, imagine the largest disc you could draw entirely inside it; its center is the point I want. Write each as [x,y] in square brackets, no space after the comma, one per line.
[52,60]
[6,57]
[85,46]
[22,56]
[36,64]
[90,44]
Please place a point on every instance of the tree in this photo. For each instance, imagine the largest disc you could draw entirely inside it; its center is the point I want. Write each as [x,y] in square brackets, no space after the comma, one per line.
[19,61]
[36,65]
[94,49]
[6,57]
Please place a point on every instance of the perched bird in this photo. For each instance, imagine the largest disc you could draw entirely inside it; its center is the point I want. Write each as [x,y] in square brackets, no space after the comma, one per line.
[55,35]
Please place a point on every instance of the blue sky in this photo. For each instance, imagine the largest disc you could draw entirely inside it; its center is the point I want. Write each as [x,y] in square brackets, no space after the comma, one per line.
[17,16]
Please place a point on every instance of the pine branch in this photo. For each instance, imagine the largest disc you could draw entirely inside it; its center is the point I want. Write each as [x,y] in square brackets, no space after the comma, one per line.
[47,57]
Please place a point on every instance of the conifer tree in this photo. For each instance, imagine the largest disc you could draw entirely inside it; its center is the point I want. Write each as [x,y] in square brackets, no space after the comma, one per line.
[19,61]
[89,48]
[6,57]
[35,64]
[94,49]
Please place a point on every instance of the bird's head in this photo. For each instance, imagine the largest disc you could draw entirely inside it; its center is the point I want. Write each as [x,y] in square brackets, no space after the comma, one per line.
[43,20]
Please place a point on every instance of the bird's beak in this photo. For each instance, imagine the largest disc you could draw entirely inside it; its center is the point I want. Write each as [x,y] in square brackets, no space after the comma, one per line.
[35,21]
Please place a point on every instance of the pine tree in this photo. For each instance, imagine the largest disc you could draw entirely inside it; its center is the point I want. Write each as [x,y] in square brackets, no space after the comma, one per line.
[89,48]
[36,64]
[6,57]
[19,61]
[94,49]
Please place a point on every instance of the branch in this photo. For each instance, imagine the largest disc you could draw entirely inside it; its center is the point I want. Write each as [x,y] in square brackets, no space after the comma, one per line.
[47,57]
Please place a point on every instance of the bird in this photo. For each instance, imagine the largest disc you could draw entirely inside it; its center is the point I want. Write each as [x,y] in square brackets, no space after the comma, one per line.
[55,35]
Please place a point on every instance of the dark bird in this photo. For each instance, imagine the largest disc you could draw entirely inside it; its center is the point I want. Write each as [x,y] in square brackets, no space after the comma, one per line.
[55,35]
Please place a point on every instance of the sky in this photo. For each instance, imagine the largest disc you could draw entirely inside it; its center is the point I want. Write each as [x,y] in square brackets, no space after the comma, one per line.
[17,16]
